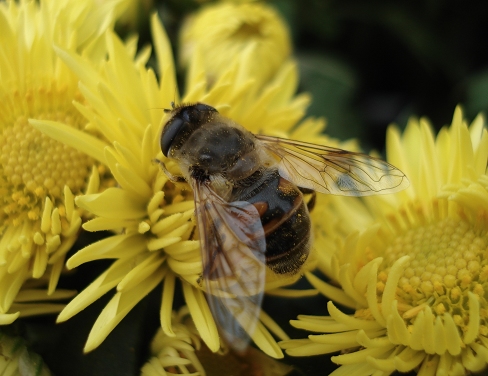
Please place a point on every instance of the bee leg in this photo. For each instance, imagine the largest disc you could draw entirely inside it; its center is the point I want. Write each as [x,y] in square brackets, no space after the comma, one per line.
[200,280]
[313,197]
[173,178]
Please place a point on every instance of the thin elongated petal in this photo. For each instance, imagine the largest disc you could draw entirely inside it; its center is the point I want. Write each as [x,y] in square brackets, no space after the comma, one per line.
[116,309]
[74,138]
[202,316]
[113,203]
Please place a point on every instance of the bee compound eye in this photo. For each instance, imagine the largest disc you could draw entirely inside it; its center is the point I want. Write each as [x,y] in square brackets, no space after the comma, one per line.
[170,131]
[204,108]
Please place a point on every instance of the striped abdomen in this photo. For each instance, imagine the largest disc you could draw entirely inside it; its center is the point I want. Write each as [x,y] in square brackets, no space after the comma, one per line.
[284,217]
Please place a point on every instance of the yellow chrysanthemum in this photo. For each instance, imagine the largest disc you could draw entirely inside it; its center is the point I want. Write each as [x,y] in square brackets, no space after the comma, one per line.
[124,104]
[175,353]
[39,177]
[413,266]
[225,30]
[183,354]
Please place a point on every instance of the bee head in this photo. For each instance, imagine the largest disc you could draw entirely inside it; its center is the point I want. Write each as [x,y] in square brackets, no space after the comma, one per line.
[184,120]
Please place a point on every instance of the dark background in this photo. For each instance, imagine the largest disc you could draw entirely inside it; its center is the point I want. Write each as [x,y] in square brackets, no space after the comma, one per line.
[367,64]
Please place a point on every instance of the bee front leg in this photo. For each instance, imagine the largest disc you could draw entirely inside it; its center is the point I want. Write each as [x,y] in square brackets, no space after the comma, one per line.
[173,178]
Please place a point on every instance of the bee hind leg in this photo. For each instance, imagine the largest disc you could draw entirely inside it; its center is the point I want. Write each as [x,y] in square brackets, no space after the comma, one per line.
[313,197]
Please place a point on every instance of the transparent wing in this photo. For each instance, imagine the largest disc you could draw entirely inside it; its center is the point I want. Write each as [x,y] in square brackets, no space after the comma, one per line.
[233,252]
[335,171]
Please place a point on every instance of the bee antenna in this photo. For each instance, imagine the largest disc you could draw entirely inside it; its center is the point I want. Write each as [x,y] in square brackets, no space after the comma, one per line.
[166,110]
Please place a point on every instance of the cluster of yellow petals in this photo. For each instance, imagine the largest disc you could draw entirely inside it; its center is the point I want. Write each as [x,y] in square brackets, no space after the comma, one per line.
[156,244]
[182,352]
[176,353]
[39,177]
[413,266]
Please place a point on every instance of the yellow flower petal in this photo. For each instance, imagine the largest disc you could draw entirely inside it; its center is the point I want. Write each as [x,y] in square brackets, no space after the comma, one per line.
[414,264]
[41,175]
[141,272]
[117,308]
[266,342]
[202,317]
[113,203]
[330,291]
[175,351]
[8,318]
[118,246]
[104,283]
[167,305]
[76,139]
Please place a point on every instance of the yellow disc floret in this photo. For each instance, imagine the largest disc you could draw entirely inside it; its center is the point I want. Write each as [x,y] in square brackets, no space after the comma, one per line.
[34,166]
[447,259]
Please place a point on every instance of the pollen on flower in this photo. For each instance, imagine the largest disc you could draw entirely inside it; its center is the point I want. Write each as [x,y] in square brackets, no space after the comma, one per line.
[458,320]
[455,293]
[39,177]
[484,273]
[440,309]
[446,262]
[484,329]
[380,287]
[439,288]
[34,166]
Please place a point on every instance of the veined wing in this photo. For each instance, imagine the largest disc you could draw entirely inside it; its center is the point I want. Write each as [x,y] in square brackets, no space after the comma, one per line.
[233,252]
[334,171]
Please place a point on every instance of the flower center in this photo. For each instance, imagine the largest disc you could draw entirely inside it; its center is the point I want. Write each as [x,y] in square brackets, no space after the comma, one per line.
[248,30]
[447,260]
[34,166]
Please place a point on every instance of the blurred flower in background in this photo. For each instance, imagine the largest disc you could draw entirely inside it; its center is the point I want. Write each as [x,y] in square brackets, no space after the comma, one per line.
[223,31]
[413,266]
[39,176]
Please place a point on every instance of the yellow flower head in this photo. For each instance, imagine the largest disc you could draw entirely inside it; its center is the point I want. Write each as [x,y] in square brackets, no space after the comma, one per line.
[175,353]
[184,354]
[39,176]
[156,244]
[226,30]
[413,266]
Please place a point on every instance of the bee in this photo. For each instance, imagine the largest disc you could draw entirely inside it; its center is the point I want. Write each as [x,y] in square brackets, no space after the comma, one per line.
[250,209]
